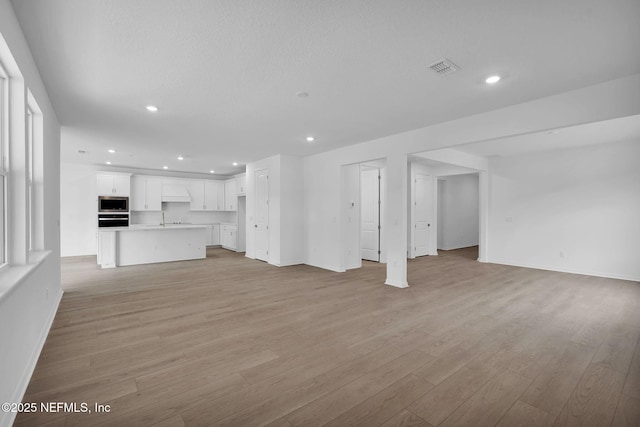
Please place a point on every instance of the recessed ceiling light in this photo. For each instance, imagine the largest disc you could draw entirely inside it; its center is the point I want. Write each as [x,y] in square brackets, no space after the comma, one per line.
[302,94]
[212,171]
[310,139]
[235,163]
[165,167]
[493,79]
[180,157]
[152,108]
[112,150]
[108,163]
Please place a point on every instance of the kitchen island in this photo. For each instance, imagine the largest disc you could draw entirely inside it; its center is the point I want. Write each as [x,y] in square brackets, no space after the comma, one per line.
[147,244]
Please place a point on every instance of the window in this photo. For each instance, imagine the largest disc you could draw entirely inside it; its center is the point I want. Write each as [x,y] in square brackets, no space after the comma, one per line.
[21,168]
[4,104]
[34,154]
[29,149]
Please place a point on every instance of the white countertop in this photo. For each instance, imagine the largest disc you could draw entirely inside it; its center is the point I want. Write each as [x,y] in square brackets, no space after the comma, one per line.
[148,227]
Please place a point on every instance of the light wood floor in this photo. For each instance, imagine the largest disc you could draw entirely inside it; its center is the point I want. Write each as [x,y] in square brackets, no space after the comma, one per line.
[231,341]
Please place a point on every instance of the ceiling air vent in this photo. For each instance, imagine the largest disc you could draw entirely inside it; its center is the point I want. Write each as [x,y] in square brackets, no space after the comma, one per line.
[444,66]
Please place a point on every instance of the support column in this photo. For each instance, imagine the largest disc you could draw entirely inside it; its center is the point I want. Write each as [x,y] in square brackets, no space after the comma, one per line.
[395,227]
[483,182]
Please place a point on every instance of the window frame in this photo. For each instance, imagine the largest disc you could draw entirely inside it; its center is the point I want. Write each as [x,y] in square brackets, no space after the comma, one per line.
[4,165]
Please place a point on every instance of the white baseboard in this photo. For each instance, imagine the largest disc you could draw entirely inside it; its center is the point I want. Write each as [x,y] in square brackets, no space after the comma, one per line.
[396,285]
[566,270]
[326,267]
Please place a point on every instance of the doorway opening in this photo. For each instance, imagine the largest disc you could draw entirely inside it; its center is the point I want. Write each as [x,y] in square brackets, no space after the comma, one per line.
[262,215]
[445,205]
[371,212]
[363,195]
[458,211]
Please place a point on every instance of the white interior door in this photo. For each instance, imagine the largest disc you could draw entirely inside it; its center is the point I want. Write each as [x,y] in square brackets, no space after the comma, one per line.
[422,217]
[370,214]
[262,214]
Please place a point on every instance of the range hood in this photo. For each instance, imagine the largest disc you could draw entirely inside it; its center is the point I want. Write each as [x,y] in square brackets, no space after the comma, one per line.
[175,192]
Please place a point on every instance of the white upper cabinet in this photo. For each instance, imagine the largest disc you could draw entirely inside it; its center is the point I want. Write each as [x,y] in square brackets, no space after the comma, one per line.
[241,184]
[154,194]
[113,184]
[230,195]
[213,195]
[206,195]
[196,191]
[146,193]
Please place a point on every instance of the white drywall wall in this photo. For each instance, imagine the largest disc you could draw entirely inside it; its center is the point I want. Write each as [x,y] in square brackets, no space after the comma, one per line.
[460,212]
[27,308]
[575,210]
[323,211]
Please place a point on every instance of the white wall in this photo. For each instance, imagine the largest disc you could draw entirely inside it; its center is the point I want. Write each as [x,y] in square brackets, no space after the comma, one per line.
[286,201]
[79,209]
[460,210]
[582,202]
[27,308]
[351,217]
[322,172]
[292,248]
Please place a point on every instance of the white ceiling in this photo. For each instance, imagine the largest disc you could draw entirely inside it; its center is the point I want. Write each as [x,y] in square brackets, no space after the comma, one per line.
[225,73]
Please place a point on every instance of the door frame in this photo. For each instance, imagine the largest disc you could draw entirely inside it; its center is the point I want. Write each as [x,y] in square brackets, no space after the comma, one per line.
[257,174]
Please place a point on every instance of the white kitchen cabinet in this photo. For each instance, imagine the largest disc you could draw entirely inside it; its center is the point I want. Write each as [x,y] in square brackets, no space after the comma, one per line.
[196,191]
[146,193]
[228,236]
[206,195]
[208,236]
[113,184]
[214,195]
[241,184]
[230,196]
[215,234]
[106,249]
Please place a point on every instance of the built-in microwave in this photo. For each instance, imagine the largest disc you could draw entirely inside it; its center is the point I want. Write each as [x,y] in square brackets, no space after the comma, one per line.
[113,204]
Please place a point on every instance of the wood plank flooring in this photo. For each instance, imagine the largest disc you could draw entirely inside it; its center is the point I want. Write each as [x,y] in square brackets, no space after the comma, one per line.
[228,341]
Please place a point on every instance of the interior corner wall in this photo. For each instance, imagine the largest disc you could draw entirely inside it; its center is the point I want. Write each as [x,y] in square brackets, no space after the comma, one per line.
[351,205]
[27,310]
[575,210]
[78,209]
[461,221]
[291,211]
